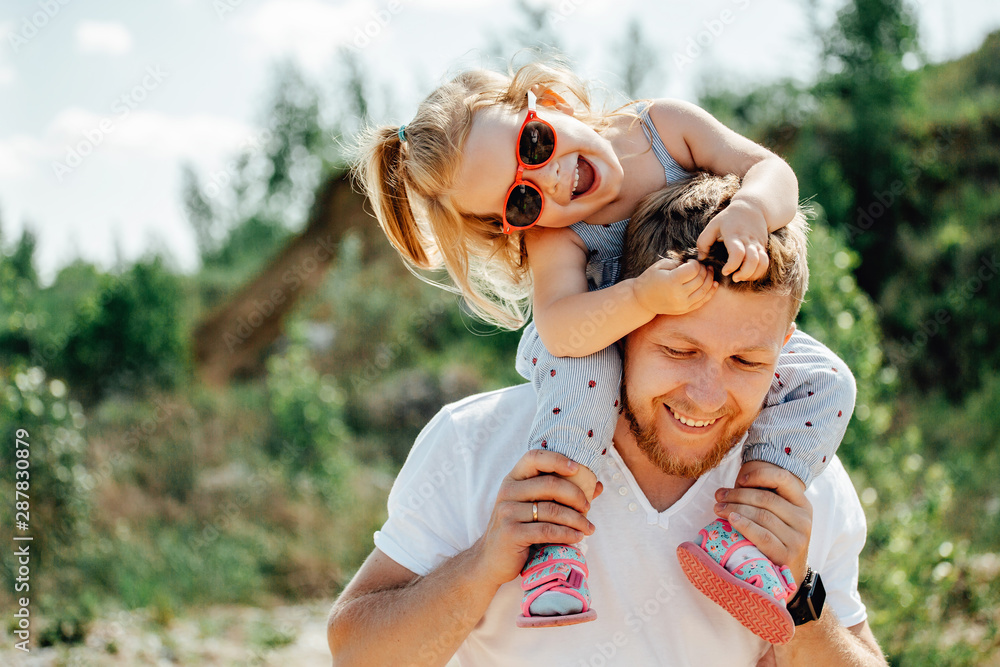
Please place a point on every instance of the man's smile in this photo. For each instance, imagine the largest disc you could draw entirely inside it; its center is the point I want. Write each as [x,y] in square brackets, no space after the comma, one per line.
[690,424]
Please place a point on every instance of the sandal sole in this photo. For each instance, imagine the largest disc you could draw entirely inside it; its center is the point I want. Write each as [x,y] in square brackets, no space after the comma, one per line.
[556,621]
[757,611]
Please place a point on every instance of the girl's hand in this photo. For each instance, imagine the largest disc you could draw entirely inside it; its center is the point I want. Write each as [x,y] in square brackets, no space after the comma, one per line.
[666,288]
[742,227]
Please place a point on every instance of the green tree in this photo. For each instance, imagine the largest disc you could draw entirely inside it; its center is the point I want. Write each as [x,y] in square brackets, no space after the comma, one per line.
[19,320]
[129,335]
[867,89]
[242,213]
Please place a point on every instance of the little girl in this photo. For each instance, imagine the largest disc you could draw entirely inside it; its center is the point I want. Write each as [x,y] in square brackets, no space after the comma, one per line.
[524,197]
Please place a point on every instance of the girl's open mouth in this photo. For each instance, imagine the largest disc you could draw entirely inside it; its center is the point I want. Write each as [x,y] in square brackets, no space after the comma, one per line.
[585,180]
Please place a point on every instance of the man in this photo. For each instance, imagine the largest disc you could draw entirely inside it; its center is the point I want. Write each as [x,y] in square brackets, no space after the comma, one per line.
[443,581]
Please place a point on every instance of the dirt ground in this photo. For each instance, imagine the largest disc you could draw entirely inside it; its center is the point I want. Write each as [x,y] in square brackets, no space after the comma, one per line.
[216,636]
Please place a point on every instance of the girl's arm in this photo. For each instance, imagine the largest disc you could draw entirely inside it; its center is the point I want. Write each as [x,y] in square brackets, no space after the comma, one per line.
[573,322]
[767,200]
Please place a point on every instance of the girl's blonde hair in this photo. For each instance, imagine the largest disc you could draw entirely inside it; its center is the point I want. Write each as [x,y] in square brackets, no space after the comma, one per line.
[410,184]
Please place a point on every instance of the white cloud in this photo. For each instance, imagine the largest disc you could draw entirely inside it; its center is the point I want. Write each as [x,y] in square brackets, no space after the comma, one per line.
[198,137]
[481,6]
[7,71]
[309,30]
[18,154]
[111,38]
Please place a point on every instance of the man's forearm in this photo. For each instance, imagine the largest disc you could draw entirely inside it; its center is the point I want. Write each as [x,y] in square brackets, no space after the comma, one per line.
[827,642]
[422,623]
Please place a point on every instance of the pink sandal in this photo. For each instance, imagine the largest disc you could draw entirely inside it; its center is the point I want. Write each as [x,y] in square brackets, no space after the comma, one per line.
[558,568]
[754,594]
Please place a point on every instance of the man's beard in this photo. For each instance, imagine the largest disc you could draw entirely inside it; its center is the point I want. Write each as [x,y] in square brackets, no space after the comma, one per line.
[649,444]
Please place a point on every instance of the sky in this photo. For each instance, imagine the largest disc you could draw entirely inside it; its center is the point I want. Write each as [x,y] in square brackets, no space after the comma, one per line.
[101,102]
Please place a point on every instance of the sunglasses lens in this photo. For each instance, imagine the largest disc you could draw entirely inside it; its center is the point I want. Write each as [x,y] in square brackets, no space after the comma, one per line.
[524,205]
[536,143]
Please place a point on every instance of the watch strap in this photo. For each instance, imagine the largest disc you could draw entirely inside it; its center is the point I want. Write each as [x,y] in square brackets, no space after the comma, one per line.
[807,604]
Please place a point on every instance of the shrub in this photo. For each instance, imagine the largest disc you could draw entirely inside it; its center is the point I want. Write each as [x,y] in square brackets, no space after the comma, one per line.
[36,410]
[129,336]
[308,435]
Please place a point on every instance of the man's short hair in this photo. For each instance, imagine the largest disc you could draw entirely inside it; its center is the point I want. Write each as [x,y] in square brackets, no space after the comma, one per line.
[667,224]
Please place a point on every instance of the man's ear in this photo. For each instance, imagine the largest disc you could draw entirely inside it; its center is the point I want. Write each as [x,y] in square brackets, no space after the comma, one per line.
[551,99]
[791,330]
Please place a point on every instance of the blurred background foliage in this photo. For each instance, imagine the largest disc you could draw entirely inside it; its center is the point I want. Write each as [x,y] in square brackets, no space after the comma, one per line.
[150,489]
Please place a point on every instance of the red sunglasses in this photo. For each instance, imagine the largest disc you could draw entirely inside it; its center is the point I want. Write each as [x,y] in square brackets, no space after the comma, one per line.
[536,144]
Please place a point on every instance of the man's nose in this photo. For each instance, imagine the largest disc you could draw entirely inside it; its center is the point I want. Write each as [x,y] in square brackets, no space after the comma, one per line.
[706,390]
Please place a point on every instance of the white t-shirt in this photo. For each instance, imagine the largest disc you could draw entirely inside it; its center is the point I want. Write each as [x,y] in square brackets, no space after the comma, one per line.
[648,612]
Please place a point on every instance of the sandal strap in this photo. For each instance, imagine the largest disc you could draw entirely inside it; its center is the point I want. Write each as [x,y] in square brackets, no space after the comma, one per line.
[558,571]
[559,578]
[544,554]
[786,572]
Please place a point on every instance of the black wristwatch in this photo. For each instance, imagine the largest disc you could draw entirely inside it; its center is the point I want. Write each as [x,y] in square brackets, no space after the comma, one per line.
[807,605]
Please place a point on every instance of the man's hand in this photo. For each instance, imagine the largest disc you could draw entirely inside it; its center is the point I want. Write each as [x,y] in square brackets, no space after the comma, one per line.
[742,227]
[503,549]
[769,506]
[670,288]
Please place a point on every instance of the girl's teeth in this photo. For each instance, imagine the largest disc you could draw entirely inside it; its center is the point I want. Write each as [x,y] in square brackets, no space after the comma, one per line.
[576,178]
[690,422]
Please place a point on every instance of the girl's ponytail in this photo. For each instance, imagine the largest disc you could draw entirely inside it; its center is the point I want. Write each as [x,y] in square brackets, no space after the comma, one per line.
[382,173]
